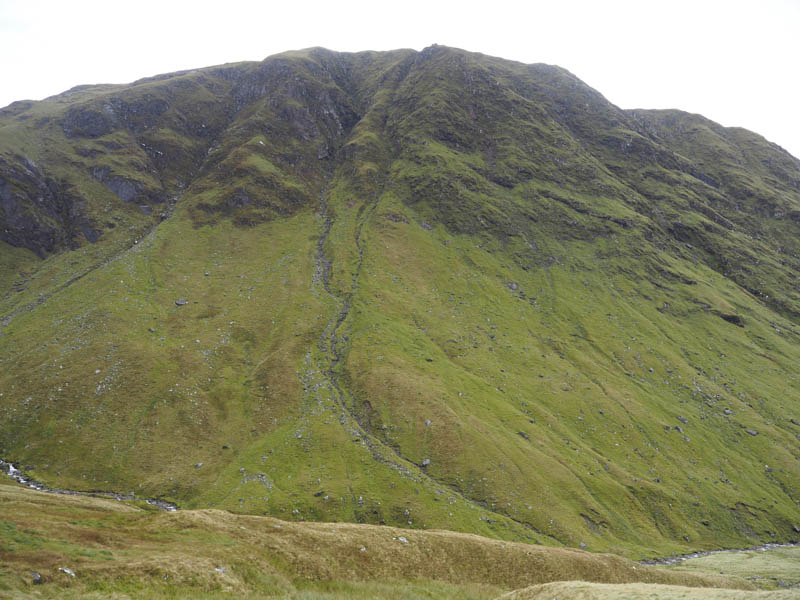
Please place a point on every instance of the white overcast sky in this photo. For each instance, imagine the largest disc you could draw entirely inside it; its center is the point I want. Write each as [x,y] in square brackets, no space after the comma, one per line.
[734,61]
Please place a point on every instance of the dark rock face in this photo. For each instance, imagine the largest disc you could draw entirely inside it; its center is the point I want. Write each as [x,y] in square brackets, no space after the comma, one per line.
[127,190]
[39,213]
[87,122]
[94,121]
[138,114]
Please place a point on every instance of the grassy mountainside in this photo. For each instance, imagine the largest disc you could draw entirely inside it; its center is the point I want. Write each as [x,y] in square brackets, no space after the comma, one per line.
[425,289]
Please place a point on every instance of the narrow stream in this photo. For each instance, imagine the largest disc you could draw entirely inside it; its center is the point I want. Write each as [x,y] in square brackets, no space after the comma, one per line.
[671,560]
[20,477]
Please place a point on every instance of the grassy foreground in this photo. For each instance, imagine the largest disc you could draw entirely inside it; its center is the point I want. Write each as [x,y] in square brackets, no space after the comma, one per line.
[579,590]
[779,567]
[769,570]
[122,551]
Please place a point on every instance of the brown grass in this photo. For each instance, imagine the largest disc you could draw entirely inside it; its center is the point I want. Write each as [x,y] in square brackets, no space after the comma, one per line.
[113,546]
[580,590]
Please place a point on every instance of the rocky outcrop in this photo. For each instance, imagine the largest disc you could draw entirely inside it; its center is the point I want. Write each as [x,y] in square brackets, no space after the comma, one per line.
[96,120]
[87,122]
[127,190]
[39,213]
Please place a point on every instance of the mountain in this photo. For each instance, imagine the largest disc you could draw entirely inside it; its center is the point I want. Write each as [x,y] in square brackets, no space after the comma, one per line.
[425,289]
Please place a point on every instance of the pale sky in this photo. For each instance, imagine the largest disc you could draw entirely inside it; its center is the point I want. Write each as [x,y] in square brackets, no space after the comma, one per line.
[734,61]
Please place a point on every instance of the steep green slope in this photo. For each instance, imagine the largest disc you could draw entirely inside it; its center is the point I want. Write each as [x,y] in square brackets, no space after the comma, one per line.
[430,289]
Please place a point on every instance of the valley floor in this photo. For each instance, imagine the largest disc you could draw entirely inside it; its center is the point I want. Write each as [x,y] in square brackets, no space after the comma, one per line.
[84,547]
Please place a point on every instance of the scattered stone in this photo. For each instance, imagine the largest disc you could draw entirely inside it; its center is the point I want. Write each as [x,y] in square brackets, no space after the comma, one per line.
[319,493]
[363,549]
[198,465]
[735,319]
[402,539]
[683,420]
[37,579]
[728,411]
[751,432]
[678,428]
[396,218]
[151,330]
[513,286]
[524,435]
[582,546]
[424,225]
[426,462]
[427,423]
[69,572]
[651,369]
[794,422]
[181,302]
[220,570]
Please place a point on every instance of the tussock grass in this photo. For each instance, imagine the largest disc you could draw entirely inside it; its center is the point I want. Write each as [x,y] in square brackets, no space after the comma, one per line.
[117,549]
[602,591]
[778,567]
